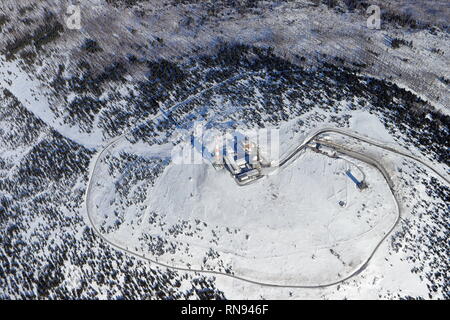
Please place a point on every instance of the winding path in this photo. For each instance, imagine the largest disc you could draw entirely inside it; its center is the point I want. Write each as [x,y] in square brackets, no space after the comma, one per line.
[283,162]
[291,155]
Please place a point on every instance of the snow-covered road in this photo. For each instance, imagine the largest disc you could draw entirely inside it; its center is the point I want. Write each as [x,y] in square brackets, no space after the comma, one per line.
[351,153]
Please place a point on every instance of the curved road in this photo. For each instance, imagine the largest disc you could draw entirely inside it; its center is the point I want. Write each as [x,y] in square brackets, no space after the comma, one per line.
[283,162]
[341,149]
[361,138]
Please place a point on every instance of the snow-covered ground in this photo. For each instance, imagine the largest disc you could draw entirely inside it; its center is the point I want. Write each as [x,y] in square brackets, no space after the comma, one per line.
[309,217]
[304,225]
[32,95]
